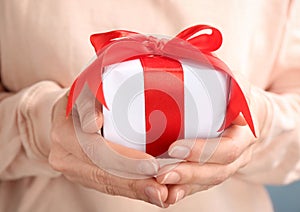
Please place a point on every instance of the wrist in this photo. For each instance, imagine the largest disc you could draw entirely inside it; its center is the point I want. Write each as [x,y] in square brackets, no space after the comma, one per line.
[36,109]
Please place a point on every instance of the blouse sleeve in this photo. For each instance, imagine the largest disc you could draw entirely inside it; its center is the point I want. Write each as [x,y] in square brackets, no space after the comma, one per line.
[25,130]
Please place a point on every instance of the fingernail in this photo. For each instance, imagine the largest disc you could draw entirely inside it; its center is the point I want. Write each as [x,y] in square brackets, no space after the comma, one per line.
[154,196]
[171,178]
[180,152]
[179,195]
[147,168]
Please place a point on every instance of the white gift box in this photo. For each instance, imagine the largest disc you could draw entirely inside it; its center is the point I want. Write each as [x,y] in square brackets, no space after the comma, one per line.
[156,91]
[205,93]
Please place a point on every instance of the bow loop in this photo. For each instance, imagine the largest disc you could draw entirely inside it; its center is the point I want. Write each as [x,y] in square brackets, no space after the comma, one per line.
[205,38]
[101,40]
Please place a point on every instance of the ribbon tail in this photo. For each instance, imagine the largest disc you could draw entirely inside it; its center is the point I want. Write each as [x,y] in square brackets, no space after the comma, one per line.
[243,105]
[77,86]
[71,98]
[93,76]
[237,104]
[97,90]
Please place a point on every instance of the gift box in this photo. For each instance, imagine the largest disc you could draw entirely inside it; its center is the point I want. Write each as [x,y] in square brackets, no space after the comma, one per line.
[154,101]
[156,91]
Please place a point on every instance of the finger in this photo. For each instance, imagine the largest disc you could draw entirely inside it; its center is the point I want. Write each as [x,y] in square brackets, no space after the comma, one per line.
[90,176]
[178,192]
[89,110]
[201,174]
[114,158]
[194,173]
[222,150]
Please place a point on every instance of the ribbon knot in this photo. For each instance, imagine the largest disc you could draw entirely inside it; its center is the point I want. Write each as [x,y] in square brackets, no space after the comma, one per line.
[155,45]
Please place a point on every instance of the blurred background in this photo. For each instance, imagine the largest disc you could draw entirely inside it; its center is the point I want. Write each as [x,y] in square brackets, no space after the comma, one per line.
[285,198]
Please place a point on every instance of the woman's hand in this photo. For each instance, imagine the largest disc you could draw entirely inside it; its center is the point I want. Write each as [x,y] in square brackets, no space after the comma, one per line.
[76,148]
[209,162]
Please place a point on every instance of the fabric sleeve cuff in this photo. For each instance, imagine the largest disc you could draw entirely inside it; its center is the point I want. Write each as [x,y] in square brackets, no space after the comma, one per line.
[35,120]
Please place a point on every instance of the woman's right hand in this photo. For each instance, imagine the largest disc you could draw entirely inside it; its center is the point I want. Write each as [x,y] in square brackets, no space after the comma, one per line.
[76,147]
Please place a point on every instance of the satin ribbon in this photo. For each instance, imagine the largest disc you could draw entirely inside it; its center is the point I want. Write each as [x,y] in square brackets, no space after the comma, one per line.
[164,92]
[191,44]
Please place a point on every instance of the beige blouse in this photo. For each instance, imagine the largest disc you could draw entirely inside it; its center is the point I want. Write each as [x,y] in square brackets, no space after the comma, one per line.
[45,44]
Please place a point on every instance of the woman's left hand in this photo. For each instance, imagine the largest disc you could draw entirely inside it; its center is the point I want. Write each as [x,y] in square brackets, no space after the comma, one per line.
[208,162]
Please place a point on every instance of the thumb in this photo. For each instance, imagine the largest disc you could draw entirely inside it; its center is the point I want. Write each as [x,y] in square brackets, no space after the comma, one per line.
[89,111]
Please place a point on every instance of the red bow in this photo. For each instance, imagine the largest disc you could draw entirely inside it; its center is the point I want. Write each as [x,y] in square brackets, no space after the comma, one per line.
[120,45]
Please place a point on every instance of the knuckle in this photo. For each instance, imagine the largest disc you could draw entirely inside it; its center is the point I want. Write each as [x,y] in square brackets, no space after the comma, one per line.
[233,154]
[97,175]
[110,189]
[55,163]
[106,179]
[132,184]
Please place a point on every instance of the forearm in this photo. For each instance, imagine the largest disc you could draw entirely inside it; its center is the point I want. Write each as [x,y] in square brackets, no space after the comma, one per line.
[276,158]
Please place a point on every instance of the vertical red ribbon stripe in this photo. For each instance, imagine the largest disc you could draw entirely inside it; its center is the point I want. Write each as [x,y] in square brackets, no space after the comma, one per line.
[164,92]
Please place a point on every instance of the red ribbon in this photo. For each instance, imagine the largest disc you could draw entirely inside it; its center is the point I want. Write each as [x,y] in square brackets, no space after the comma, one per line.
[164,92]
[120,45]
